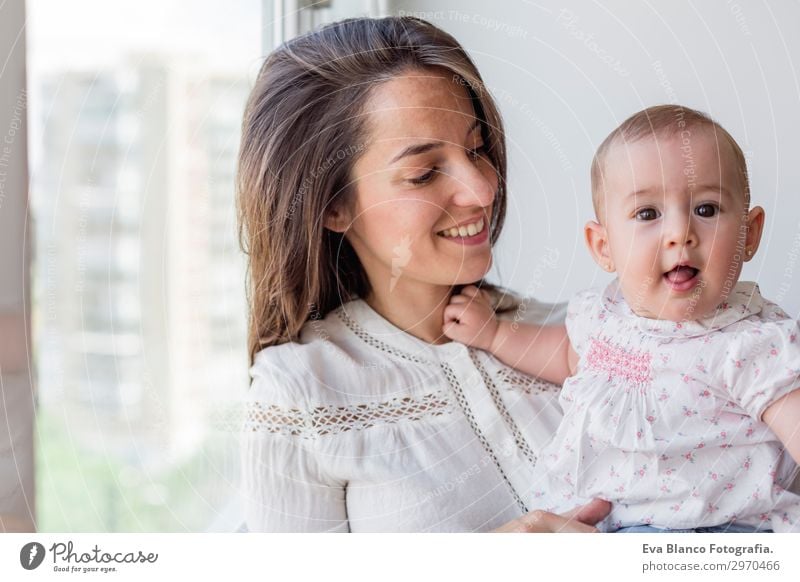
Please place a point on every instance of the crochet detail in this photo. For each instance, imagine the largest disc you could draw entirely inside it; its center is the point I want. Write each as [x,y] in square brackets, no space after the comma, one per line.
[512,379]
[462,401]
[330,420]
[519,439]
[374,342]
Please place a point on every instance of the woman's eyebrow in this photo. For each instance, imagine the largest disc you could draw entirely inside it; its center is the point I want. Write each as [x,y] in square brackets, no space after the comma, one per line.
[421,148]
[416,149]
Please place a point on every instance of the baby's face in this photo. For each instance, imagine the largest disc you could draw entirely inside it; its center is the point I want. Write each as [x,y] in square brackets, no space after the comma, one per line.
[676,223]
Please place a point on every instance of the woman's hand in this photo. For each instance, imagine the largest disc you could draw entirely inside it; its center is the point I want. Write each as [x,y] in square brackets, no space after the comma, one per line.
[470,319]
[580,520]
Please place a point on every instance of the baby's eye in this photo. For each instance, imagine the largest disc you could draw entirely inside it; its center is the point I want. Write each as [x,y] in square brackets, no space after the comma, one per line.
[646,214]
[706,210]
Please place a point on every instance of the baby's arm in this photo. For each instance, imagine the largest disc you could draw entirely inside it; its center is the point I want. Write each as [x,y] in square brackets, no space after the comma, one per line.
[542,351]
[783,417]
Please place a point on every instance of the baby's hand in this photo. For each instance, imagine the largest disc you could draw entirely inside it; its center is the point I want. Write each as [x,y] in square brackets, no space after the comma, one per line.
[470,319]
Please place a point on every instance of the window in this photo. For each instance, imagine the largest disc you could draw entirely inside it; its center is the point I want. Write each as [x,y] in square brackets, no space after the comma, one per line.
[138,281]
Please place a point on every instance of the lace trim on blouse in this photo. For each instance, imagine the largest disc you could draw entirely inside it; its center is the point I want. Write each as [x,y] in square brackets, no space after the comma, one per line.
[519,439]
[473,423]
[330,420]
[374,342]
[517,381]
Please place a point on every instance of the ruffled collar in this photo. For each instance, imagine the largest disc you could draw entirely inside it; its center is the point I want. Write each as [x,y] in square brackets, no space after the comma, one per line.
[744,300]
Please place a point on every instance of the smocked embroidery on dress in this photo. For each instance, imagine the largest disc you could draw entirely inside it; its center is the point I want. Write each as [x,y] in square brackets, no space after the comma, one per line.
[619,362]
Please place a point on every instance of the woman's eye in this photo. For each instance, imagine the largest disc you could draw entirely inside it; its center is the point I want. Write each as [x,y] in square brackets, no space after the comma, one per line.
[478,152]
[424,178]
[706,210]
[647,214]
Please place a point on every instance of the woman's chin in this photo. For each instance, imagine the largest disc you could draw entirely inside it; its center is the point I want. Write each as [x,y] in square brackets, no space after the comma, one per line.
[474,271]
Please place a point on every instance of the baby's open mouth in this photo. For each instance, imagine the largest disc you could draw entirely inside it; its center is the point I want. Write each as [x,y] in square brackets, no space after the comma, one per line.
[682,277]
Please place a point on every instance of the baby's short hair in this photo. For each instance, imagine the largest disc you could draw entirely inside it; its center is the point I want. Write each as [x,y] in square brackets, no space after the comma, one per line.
[662,121]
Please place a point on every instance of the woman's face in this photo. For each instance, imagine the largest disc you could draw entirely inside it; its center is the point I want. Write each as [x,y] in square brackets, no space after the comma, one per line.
[422,175]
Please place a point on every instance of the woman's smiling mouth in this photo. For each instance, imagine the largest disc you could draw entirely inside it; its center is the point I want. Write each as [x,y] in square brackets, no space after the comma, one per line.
[465,230]
[472,233]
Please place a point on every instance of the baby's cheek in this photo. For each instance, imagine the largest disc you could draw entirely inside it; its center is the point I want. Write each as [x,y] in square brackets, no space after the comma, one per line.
[640,289]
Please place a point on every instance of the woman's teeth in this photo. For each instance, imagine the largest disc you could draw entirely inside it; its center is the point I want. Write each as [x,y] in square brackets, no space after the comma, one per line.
[464,230]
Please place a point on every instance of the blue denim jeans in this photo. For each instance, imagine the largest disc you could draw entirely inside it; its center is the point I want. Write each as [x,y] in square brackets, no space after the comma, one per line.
[724,528]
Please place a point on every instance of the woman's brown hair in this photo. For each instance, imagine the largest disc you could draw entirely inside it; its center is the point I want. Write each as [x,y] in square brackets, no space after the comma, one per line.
[303,130]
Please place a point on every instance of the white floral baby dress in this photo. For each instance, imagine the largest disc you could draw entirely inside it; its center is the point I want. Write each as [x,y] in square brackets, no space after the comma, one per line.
[663,418]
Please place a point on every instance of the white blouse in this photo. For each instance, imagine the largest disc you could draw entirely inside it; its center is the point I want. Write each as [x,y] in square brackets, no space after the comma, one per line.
[362,427]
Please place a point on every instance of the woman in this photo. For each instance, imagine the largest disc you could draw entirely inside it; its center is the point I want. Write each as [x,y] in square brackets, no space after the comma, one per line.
[371,184]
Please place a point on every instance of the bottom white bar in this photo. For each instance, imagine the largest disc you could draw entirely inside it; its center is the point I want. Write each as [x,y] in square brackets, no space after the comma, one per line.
[328,557]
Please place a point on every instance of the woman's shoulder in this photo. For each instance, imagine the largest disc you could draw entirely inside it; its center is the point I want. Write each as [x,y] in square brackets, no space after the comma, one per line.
[331,363]
[295,384]
[324,344]
[332,380]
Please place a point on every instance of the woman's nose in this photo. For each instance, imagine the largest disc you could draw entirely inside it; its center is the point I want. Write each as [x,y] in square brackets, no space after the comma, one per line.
[475,185]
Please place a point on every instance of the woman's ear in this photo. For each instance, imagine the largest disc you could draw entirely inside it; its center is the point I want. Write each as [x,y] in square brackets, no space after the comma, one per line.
[597,241]
[337,218]
[755,226]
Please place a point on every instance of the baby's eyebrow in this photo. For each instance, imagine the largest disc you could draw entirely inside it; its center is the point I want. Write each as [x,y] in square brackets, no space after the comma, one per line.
[696,188]
[715,187]
[642,192]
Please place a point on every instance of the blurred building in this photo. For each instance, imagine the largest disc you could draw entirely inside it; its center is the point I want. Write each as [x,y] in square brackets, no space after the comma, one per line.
[139,276]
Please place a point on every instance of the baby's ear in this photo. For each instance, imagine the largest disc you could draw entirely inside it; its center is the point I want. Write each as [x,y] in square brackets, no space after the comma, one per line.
[597,241]
[755,226]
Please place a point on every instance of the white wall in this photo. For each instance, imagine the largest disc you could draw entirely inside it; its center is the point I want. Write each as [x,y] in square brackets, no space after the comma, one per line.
[566,73]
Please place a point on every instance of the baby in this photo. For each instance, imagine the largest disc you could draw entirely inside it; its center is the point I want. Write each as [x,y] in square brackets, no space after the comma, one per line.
[680,382]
